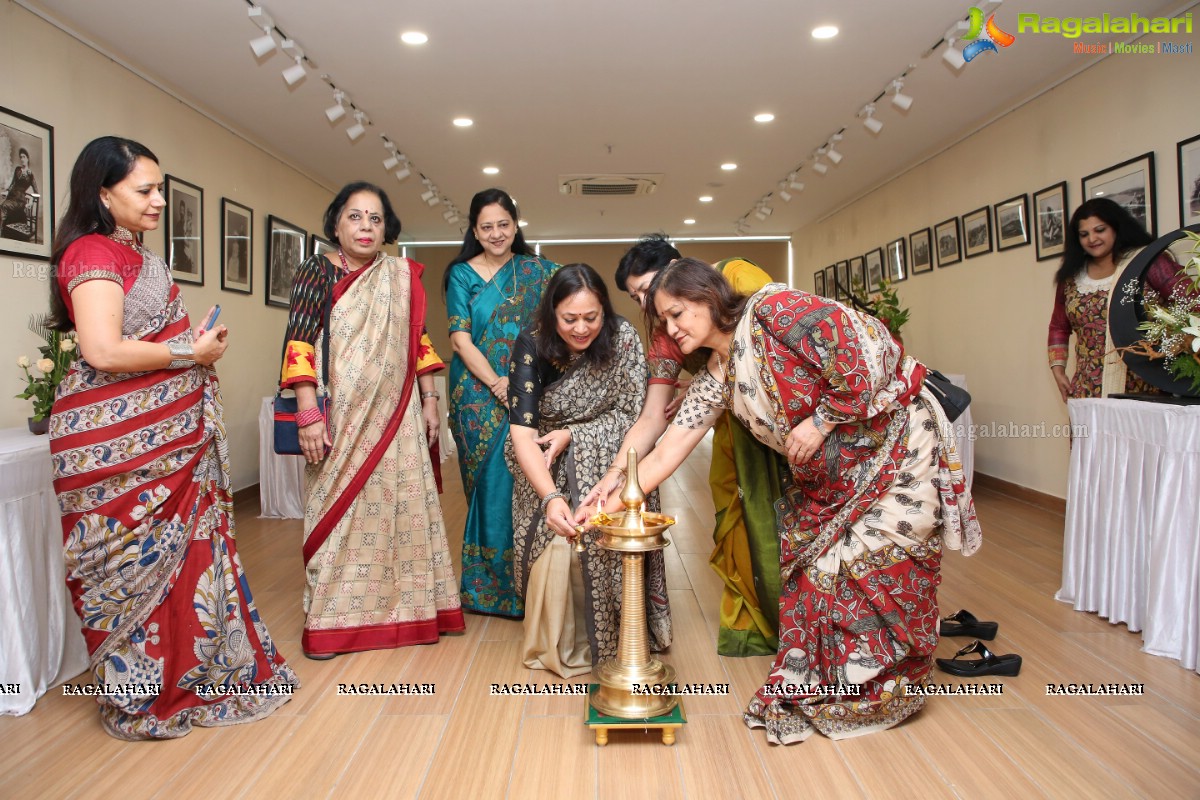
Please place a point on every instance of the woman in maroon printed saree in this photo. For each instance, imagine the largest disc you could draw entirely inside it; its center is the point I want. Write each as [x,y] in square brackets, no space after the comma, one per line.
[377,563]
[141,471]
[876,491]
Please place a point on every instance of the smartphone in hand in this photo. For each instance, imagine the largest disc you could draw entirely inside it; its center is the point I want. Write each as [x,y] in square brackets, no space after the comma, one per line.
[212,321]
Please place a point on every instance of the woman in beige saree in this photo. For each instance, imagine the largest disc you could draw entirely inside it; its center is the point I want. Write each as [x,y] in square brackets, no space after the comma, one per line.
[577,382]
[377,564]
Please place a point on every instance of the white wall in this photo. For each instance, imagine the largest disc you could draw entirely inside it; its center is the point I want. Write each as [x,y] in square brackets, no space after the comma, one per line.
[987,316]
[83,94]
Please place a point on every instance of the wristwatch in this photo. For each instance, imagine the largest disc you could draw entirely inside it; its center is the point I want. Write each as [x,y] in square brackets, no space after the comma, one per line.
[184,357]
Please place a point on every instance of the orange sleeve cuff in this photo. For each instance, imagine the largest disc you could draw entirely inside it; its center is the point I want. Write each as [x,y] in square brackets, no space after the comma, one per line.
[427,358]
[299,364]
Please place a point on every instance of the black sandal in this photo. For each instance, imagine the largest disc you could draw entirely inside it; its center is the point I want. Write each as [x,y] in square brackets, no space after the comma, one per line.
[988,662]
[963,623]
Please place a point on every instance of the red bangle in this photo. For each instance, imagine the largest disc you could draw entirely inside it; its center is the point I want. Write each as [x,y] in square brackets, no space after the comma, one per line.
[309,416]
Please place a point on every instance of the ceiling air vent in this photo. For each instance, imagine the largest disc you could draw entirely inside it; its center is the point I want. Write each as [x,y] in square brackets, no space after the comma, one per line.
[608,185]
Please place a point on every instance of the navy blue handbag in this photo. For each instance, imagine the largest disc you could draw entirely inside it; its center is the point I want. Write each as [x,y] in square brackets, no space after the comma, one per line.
[287,435]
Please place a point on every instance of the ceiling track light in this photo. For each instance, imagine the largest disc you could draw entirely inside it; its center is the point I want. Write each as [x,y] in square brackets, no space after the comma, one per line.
[428,195]
[355,131]
[819,168]
[953,56]
[264,44]
[834,156]
[784,194]
[869,121]
[338,110]
[899,99]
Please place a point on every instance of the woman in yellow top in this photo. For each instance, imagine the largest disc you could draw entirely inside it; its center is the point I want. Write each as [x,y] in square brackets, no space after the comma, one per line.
[744,476]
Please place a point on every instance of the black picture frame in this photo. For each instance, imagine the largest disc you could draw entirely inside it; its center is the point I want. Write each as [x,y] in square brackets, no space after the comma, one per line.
[287,247]
[819,282]
[1131,185]
[842,270]
[896,261]
[237,247]
[829,281]
[977,232]
[949,243]
[1050,221]
[27,202]
[1187,156]
[920,249]
[1012,222]
[873,263]
[184,231]
[319,245]
[858,275]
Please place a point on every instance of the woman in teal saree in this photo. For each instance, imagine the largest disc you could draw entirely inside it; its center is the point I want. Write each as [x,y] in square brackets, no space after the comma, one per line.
[493,287]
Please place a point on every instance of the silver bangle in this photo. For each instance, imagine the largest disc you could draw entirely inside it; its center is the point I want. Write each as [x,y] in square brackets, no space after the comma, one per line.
[817,424]
[553,495]
[182,355]
[427,395]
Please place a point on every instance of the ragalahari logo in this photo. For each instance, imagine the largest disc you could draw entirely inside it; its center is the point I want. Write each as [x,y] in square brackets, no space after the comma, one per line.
[992,36]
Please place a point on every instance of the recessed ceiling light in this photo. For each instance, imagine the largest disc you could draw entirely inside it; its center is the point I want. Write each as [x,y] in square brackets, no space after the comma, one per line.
[706,198]
[825,32]
[765,117]
[689,222]
[729,166]
[464,122]
[491,170]
[413,37]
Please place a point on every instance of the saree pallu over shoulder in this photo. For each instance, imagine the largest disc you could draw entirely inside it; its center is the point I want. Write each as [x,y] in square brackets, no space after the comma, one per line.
[140,470]
[376,557]
[598,406]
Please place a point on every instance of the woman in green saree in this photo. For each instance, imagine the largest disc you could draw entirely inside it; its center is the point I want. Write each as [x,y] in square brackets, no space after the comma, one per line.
[492,289]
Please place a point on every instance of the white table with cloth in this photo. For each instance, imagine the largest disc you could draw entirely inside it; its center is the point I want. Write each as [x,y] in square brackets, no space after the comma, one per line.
[1131,551]
[41,644]
[281,478]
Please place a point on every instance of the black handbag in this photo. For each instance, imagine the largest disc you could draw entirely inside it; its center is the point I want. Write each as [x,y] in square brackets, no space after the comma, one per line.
[287,434]
[953,399]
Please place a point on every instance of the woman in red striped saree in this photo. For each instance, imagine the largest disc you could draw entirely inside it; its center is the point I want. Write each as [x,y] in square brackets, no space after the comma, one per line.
[141,471]
[377,563]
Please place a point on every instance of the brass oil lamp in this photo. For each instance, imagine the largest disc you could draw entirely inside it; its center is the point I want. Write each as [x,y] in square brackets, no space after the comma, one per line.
[633,534]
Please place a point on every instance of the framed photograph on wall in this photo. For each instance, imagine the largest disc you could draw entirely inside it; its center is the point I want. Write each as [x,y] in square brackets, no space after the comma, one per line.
[829,280]
[842,270]
[1012,222]
[319,246]
[858,275]
[287,246]
[184,235]
[237,247]
[977,231]
[896,268]
[1050,221]
[920,246]
[26,185]
[819,282]
[874,266]
[1131,184]
[949,248]
[1188,152]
